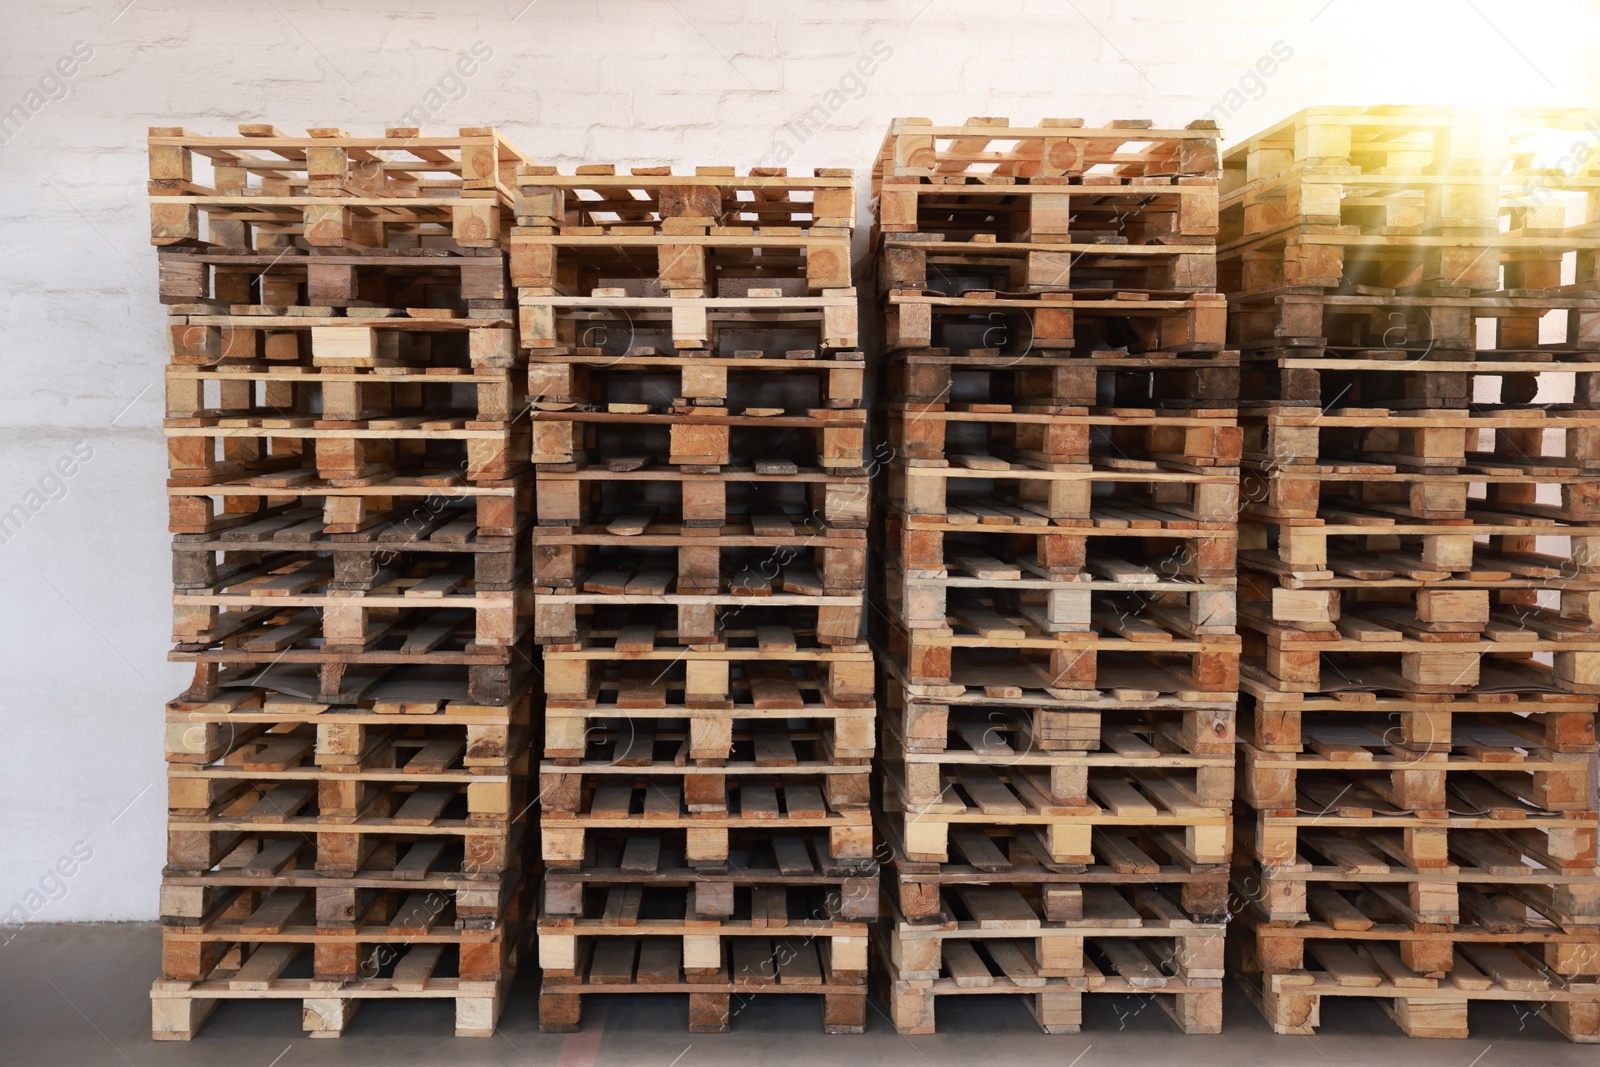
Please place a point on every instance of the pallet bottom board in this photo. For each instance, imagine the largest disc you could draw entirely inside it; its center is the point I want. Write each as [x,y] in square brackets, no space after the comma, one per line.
[1438,1013]
[179,1008]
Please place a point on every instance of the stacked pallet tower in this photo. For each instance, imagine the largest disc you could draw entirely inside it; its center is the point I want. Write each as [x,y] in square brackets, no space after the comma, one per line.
[700,558]
[1058,547]
[349,496]
[1420,581]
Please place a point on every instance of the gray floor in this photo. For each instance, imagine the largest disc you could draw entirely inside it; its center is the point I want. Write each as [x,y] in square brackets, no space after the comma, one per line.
[77,995]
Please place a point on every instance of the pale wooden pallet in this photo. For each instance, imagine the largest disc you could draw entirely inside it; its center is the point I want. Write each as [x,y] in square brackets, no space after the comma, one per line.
[596,195]
[1292,1002]
[1020,857]
[1001,968]
[330,187]
[990,149]
[1419,866]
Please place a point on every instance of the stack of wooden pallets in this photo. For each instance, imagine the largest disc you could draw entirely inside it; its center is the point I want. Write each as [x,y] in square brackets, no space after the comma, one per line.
[349,495]
[699,439]
[1419,583]
[1058,546]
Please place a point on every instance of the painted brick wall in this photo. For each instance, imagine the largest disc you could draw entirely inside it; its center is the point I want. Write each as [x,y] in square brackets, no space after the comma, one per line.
[83,570]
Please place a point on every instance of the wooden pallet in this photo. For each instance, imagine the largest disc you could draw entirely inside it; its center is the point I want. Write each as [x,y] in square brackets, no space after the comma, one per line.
[716,740]
[349,629]
[179,1008]
[387,340]
[1403,592]
[1142,609]
[701,617]
[398,500]
[639,754]
[988,149]
[355,825]
[1058,437]
[330,189]
[1116,966]
[1111,209]
[1371,543]
[634,913]
[734,556]
[579,497]
[1133,541]
[1408,378]
[1077,603]
[1211,495]
[1014,731]
[1303,661]
[1333,489]
[333,397]
[414,708]
[1419,865]
[1171,381]
[432,884]
[761,870]
[776,804]
[1019,857]
[720,987]
[1166,273]
[1400,139]
[1385,180]
[1058,781]
[393,759]
[571,377]
[1192,829]
[1535,439]
[202,565]
[271,928]
[1274,721]
[294,274]
[1353,772]
[615,321]
[1360,940]
[213,450]
[1130,778]
[1292,1003]
[776,675]
[1440,324]
[1418,605]
[1482,763]
[1145,552]
[1110,656]
[595,195]
[1467,257]
[576,672]
[648,527]
[713,261]
[702,439]
[1064,915]
[995,932]
[491,674]
[284,602]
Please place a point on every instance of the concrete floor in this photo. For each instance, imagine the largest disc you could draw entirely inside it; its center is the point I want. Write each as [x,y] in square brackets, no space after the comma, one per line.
[78,995]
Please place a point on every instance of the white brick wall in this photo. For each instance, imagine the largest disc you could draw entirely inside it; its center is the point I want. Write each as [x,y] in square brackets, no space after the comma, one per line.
[630,81]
